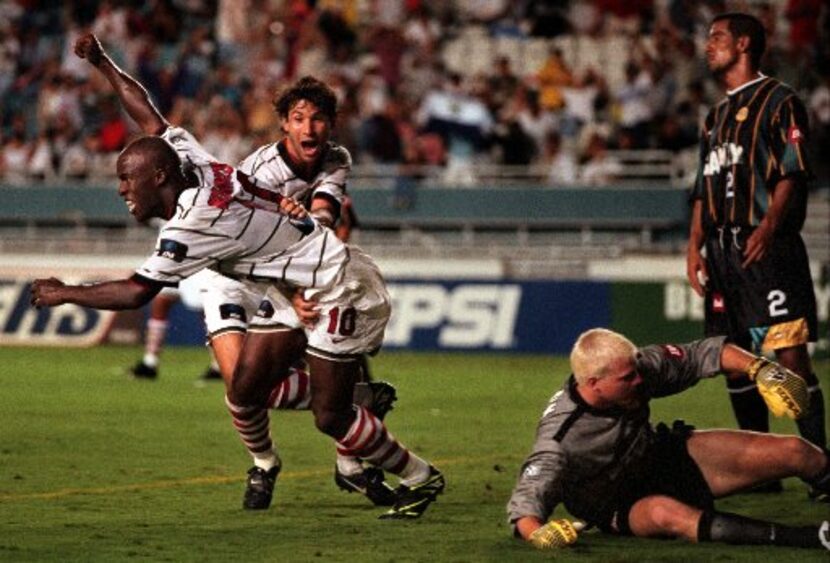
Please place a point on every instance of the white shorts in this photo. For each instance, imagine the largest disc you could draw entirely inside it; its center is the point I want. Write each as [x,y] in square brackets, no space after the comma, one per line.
[353,313]
[229,305]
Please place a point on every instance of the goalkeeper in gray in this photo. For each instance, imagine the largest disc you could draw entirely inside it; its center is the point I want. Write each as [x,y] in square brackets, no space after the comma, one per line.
[597,453]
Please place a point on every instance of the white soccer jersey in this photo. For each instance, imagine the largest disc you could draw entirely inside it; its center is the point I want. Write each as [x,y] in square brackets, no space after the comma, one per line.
[227,225]
[270,168]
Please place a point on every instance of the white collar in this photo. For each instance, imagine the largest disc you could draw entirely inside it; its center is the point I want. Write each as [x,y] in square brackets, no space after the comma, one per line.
[761,76]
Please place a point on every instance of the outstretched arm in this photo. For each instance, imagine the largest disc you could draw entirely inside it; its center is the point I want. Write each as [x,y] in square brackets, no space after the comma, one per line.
[111,295]
[133,96]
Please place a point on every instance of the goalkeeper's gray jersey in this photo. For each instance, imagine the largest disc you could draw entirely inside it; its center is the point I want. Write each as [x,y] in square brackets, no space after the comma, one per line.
[583,455]
[229,225]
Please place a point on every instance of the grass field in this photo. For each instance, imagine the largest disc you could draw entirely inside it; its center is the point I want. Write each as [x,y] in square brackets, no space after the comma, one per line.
[97,467]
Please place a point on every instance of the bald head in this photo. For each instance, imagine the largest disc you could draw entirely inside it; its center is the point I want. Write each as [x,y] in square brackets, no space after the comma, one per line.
[154,150]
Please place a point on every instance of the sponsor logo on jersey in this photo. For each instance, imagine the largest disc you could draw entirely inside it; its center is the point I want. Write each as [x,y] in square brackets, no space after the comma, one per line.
[794,135]
[464,316]
[266,309]
[718,305]
[673,351]
[721,156]
[172,250]
[232,311]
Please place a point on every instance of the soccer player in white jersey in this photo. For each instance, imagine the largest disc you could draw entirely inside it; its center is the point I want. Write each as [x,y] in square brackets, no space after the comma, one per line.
[226,222]
[229,304]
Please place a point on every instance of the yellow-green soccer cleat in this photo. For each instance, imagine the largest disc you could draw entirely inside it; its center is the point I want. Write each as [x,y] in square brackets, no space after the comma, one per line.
[413,501]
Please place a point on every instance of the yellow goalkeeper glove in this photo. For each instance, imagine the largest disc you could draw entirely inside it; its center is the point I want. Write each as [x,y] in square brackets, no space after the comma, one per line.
[784,391]
[556,533]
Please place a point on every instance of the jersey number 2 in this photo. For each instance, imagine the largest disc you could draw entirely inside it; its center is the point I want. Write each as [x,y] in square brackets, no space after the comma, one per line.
[776,299]
[342,323]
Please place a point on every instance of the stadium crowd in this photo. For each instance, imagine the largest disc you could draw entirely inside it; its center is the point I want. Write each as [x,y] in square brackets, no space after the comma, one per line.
[409,92]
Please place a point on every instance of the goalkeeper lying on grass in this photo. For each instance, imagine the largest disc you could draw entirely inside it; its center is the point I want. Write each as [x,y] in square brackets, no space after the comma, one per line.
[597,453]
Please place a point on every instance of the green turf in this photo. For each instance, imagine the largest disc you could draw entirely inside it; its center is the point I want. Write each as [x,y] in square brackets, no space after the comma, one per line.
[97,467]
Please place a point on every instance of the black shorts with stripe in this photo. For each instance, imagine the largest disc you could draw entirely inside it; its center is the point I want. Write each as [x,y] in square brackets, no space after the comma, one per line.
[769,305]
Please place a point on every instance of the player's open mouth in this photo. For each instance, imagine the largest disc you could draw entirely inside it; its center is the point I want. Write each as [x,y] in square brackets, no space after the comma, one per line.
[130,205]
[310,147]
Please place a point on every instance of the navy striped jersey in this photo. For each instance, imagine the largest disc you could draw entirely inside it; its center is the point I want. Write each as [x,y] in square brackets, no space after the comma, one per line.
[229,225]
[750,141]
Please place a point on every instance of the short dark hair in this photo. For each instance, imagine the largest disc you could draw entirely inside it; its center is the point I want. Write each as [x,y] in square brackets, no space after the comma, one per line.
[159,152]
[312,90]
[746,25]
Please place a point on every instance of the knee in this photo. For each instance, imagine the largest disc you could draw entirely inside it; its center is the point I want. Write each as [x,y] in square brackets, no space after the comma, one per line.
[662,516]
[798,451]
[331,423]
[801,454]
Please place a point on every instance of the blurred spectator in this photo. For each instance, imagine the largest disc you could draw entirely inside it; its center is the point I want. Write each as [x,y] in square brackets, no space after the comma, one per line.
[14,158]
[547,18]
[112,135]
[463,121]
[804,17]
[554,75]
[502,84]
[536,122]
[562,166]
[635,111]
[598,168]
[581,98]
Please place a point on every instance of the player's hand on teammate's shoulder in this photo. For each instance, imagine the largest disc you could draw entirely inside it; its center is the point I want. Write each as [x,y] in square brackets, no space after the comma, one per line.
[88,47]
[46,292]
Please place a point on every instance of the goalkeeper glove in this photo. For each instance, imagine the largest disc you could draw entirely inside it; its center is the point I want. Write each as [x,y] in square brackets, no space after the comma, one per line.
[556,533]
[784,391]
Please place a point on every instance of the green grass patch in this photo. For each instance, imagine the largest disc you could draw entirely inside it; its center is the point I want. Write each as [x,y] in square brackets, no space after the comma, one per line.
[95,466]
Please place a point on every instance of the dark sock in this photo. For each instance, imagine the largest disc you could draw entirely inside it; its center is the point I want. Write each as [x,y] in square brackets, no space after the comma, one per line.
[748,405]
[811,426]
[822,480]
[732,528]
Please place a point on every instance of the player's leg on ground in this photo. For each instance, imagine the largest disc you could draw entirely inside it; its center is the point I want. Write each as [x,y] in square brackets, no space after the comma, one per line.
[660,516]
[263,361]
[734,460]
[155,333]
[810,426]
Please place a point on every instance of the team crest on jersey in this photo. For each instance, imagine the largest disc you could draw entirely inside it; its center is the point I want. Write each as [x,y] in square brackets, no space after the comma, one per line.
[718,305]
[172,250]
[673,351]
[266,309]
[742,114]
[794,135]
[531,471]
[232,311]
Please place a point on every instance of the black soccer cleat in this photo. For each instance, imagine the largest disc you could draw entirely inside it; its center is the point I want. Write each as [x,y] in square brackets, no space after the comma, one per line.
[143,371]
[260,488]
[369,483]
[413,501]
[377,396]
[211,374]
